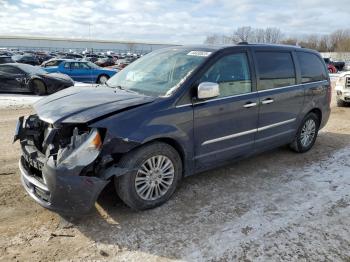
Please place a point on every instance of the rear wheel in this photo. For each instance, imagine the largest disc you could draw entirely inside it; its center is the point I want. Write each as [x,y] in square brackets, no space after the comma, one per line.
[340,102]
[38,87]
[102,79]
[157,171]
[307,134]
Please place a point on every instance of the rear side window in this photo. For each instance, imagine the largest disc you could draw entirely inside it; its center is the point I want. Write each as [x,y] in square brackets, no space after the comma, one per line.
[75,65]
[276,69]
[312,68]
[10,70]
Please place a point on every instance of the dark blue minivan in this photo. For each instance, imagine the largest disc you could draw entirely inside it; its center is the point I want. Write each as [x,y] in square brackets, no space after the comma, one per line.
[172,113]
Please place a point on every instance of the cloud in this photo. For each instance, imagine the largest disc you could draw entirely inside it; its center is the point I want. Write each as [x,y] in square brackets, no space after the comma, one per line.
[166,21]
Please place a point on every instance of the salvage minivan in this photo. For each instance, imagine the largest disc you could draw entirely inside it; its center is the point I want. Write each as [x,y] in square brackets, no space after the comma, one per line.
[172,113]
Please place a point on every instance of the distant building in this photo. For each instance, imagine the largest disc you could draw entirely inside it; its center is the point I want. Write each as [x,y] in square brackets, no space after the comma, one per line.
[66,44]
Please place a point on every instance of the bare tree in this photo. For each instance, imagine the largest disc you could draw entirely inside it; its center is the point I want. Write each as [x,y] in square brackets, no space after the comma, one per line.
[337,41]
[213,39]
[243,34]
[273,35]
[290,41]
[323,45]
[259,35]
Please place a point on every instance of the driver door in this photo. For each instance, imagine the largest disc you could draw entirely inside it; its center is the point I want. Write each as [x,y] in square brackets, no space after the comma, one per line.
[225,126]
[12,79]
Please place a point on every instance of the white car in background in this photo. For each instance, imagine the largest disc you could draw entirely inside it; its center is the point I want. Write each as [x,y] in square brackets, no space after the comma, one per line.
[342,87]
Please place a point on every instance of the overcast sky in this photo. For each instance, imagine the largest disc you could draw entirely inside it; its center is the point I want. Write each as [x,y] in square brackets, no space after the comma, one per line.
[167,21]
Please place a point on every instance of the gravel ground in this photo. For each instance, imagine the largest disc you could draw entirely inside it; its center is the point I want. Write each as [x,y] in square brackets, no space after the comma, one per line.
[272,207]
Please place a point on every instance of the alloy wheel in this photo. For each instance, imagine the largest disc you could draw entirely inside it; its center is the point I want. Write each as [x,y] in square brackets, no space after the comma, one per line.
[308,133]
[154,178]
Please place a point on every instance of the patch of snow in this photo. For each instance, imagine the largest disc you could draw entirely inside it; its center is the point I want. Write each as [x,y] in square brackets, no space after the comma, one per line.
[8,100]
[298,215]
[17,100]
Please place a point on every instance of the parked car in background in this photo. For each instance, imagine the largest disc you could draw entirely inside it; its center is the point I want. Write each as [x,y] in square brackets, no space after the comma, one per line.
[26,59]
[83,71]
[6,59]
[92,59]
[121,63]
[342,88]
[71,56]
[53,62]
[338,65]
[332,69]
[42,56]
[104,62]
[16,77]
[173,113]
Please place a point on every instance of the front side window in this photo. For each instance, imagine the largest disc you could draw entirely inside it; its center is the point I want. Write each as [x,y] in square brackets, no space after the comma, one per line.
[231,73]
[312,68]
[276,69]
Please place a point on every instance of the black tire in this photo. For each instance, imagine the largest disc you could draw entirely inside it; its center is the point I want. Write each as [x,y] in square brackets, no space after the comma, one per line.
[101,77]
[340,102]
[297,144]
[38,87]
[125,185]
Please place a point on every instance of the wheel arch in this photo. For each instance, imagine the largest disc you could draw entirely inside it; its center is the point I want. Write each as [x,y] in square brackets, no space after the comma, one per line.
[318,112]
[100,75]
[32,80]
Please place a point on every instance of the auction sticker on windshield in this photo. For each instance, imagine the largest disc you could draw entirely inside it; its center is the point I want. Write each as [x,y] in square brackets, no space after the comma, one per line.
[199,53]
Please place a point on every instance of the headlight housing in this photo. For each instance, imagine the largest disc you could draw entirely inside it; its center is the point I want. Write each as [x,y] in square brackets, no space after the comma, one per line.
[82,150]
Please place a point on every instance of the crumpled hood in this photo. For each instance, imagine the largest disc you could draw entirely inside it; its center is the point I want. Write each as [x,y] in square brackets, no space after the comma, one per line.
[83,104]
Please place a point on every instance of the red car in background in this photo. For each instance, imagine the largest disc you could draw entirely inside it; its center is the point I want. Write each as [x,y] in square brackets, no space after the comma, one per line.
[330,66]
[332,69]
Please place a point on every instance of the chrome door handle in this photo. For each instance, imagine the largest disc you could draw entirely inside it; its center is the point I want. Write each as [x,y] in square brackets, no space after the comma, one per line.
[267,101]
[248,105]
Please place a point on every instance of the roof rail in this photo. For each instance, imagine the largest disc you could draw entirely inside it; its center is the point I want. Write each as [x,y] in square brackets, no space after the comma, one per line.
[243,43]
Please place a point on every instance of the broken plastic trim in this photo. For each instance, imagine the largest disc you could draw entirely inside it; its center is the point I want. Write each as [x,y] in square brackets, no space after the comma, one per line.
[82,150]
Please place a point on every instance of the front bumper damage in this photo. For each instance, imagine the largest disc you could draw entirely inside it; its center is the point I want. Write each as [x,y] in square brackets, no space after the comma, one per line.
[63,190]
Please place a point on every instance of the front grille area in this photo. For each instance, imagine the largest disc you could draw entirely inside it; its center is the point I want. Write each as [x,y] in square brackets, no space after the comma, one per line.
[32,170]
[347,82]
[32,185]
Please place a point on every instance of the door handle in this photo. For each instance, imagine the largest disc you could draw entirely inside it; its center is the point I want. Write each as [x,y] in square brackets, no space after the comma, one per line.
[267,101]
[250,104]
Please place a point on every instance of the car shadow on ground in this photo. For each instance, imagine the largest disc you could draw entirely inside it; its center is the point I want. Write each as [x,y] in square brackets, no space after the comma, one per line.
[202,203]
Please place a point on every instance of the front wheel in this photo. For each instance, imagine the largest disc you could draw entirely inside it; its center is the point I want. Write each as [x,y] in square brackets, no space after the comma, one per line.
[307,134]
[38,87]
[157,169]
[340,103]
[102,79]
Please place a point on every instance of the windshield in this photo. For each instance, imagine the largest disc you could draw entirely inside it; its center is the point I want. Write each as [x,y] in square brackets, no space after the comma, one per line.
[158,73]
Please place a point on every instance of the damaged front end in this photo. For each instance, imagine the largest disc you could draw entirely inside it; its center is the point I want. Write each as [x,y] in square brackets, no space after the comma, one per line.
[59,164]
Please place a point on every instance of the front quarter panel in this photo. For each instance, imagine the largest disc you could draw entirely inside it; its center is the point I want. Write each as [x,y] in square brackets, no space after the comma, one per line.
[156,121]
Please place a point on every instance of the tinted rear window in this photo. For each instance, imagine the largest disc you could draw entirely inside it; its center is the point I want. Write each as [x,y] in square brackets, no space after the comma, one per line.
[312,68]
[276,69]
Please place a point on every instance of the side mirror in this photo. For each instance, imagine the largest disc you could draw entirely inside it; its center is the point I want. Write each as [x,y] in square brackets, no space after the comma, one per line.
[208,90]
